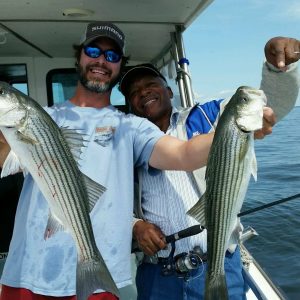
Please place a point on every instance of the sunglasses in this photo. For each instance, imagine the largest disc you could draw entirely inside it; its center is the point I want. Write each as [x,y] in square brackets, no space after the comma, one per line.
[111,56]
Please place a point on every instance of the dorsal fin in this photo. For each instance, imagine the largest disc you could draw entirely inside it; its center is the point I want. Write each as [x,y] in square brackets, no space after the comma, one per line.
[75,141]
[198,211]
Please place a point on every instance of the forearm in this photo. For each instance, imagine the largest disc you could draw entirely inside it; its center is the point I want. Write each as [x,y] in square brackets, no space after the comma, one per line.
[281,88]
[172,154]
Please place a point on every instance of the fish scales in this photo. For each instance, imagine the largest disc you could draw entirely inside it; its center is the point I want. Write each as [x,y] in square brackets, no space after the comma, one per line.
[71,185]
[225,172]
[44,152]
[230,164]
[50,167]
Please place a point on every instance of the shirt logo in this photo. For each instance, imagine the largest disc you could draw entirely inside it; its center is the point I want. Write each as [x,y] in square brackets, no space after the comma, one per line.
[104,135]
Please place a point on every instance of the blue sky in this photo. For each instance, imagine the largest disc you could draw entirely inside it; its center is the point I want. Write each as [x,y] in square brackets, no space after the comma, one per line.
[225,44]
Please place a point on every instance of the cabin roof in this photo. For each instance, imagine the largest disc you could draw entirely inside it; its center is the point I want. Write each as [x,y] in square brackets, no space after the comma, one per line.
[40,28]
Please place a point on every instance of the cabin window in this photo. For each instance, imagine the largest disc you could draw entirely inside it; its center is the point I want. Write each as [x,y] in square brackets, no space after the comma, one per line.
[15,75]
[61,85]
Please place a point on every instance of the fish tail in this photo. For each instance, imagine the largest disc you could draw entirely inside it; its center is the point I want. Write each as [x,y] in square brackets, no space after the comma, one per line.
[216,288]
[91,275]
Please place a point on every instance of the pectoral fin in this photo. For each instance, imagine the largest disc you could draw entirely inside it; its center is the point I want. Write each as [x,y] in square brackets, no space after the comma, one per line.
[253,165]
[53,226]
[27,137]
[11,165]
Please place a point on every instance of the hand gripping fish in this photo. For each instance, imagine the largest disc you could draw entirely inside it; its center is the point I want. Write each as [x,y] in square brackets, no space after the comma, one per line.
[230,164]
[43,149]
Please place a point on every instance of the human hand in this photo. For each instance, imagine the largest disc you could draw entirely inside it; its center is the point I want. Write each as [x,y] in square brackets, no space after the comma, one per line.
[269,121]
[282,51]
[149,237]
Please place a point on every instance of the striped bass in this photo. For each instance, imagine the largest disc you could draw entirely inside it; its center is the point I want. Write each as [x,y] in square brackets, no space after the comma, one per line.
[230,164]
[50,155]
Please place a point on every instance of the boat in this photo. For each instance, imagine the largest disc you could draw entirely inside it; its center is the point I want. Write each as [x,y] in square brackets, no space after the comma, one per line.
[36,56]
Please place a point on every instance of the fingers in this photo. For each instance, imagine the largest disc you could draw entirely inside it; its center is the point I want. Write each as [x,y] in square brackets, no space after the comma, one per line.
[151,246]
[282,51]
[149,237]
[269,120]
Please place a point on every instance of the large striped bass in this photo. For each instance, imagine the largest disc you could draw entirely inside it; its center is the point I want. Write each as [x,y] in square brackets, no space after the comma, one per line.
[48,153]
[230,164]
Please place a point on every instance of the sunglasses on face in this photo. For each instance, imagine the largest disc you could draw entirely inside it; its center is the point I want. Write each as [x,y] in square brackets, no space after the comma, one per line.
[111,56]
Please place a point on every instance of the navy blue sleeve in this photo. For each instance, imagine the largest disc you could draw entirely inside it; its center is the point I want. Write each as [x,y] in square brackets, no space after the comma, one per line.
[197,123]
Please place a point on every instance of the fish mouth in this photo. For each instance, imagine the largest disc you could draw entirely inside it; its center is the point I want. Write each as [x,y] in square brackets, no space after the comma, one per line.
[244,130]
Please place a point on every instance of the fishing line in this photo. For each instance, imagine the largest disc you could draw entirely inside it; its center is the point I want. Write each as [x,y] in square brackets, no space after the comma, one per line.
[247,212]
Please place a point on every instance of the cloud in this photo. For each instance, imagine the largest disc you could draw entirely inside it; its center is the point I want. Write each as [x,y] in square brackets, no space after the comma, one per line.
[226,92]
[285,10]
[202,98]
[293,11]
[274,10]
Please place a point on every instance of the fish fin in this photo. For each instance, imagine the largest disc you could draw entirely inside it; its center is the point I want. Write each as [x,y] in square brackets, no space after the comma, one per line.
[11,165]
[91,275]
[94,190]
[53,226]
[198,211]
[26,136]
[233,241]
[75,141]
[254,165]
[235,236]
[216,288]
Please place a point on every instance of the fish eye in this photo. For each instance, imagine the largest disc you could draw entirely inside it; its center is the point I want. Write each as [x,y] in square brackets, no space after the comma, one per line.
[244,99]
[2,92]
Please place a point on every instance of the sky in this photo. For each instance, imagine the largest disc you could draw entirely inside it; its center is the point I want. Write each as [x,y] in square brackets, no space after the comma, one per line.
[225,44]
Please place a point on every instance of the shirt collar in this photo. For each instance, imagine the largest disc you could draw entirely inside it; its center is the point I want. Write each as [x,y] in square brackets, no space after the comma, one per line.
[174,118]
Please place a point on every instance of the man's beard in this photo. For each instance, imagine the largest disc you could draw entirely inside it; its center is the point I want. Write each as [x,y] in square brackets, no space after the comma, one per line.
[95,85]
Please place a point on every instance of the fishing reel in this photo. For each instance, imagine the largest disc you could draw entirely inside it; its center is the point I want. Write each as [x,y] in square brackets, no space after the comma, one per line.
[182,264]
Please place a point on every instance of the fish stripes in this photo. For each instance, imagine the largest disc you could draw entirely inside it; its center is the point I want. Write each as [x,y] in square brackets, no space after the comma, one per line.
[47,154]
[64,175]
[230,164]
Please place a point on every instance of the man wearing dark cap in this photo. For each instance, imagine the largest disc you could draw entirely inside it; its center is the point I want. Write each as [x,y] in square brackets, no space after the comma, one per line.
[162,199]
[40,269]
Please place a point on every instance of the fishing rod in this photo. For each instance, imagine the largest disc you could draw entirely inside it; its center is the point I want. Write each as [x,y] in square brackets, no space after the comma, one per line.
[198,228]
[184,233]
[247,212]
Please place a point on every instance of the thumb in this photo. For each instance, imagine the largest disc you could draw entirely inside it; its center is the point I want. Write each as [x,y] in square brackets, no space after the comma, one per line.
[280,59]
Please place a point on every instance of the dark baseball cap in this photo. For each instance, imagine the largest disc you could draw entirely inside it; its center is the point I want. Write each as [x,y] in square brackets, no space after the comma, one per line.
[103,29]
[131,72]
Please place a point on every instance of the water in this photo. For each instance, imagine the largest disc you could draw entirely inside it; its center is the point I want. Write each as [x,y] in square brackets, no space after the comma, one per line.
[277,248]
